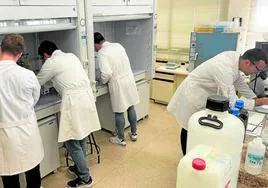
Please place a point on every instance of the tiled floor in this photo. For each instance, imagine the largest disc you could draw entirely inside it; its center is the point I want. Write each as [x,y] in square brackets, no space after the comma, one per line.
[150,162]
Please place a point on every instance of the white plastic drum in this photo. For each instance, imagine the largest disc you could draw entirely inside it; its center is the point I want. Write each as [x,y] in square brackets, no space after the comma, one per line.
[217,128]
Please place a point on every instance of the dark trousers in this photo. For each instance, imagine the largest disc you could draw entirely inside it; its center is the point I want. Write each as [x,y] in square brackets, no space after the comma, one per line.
[33,179]
[184,133]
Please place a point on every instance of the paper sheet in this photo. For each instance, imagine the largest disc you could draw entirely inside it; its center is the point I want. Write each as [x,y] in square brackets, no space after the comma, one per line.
[254,126]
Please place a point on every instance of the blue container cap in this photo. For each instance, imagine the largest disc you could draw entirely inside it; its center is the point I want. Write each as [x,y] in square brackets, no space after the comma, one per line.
[239,104]
[235,111]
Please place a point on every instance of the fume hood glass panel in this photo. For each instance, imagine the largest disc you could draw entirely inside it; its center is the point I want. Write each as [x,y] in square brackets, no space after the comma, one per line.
[66,41]
[109,2]
[9,2]
[135,36]
[140,2]
[47,2]
[29,59]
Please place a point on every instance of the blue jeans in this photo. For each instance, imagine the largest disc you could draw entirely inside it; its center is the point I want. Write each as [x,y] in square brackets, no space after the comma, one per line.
[77,150]
[120,122]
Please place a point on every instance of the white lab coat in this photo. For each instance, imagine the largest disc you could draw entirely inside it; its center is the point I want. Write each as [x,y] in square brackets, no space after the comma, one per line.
[218,75]
[21,147]
[79,116]
[115,69]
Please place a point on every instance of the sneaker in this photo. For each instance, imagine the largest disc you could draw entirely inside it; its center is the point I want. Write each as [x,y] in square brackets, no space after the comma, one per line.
[80,183]
[73,170]
[133,137]
[116,140]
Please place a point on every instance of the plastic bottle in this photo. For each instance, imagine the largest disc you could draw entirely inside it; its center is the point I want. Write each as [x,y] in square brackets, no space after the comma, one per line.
[243,113]
[264,133]
[255,156]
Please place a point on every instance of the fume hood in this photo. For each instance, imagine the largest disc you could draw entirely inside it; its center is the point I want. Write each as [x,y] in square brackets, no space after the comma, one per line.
[61,21]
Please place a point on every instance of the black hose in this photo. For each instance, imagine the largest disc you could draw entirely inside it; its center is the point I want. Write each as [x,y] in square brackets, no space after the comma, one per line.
[255,83]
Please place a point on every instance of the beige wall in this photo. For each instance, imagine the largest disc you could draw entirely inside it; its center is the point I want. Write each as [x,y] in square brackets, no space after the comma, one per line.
[163,15]
[242,8]
[176,19]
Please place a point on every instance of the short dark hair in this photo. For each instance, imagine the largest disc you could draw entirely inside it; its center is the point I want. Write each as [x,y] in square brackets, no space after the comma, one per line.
[13,43]
[47,47]
[98,38]
[254,55]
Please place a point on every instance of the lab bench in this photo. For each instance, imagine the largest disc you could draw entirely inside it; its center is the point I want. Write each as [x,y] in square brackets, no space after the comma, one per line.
[166,81]
[47,105]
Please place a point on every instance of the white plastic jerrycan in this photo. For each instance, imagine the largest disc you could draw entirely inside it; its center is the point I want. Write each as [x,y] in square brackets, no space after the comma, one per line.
[255,156]
[203,168]
[215,127]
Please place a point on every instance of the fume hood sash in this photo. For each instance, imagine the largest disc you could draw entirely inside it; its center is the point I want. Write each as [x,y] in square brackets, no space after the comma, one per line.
[121,17]
[99,11]
[37,25]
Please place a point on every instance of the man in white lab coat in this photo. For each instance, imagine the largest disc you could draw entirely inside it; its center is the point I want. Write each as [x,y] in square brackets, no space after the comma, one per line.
[116,71]
[218,75]
[79,116]
[21,148]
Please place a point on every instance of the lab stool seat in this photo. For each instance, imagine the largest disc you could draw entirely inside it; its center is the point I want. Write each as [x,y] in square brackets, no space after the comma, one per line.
[92,142]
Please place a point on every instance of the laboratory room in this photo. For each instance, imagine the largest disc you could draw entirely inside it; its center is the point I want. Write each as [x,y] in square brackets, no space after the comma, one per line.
[133,94]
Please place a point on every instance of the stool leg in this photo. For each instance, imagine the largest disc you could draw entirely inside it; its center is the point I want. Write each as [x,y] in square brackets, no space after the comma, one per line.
[66,158]
[90,142]
[96,147]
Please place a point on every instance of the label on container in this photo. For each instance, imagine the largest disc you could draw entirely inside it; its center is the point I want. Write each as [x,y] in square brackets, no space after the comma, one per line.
[226,163]
[255,160]
[228,184]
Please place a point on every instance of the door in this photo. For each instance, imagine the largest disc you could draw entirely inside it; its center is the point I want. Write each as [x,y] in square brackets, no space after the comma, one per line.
[9,2]
[49,133]
[140,2]
[109,2]
[47,2]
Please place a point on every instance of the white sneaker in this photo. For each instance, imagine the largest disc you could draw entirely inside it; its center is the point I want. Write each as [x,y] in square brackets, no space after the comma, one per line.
[133,137]
[116,140]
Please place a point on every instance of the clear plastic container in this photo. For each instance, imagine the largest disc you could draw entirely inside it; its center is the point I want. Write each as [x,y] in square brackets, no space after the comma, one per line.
[264,133]
[255,157]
